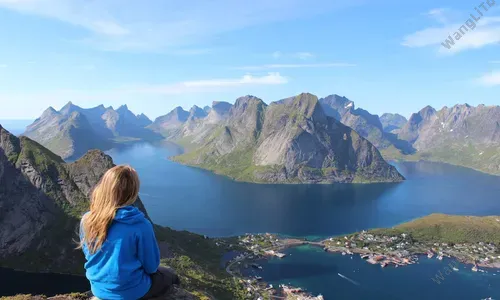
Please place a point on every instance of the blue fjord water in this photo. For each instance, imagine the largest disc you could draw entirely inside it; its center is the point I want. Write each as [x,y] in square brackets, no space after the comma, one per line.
[187,198]
[197,200]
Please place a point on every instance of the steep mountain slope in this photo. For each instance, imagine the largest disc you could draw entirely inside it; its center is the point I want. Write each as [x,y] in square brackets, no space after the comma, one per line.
[218,112]
[462,135]
[366,124]
[196,113]
[143,120]
[69,135]
[74,130]
[170,122]
[392,122]
[42,199]
[288,141]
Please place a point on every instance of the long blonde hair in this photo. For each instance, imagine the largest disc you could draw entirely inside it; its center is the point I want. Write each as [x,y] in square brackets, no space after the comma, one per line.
[118,187]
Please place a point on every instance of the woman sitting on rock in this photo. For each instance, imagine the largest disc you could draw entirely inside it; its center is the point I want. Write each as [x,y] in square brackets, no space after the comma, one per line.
[119,242]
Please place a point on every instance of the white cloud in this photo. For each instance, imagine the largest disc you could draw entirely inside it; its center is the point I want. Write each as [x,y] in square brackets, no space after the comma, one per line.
[490,79]
[293,66]
[486,32]
[35,102]
[438,14]
[199,86]
[297,55]
[304,55]
[161,25]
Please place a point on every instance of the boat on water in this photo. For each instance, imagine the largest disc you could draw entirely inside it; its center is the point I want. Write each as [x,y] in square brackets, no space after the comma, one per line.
[343,253]
[430,254]
[474,269]
[455,269]
[258,277]
[440,257]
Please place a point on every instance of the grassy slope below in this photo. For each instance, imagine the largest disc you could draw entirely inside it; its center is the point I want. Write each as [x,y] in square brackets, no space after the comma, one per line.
[441,228]
[197,260]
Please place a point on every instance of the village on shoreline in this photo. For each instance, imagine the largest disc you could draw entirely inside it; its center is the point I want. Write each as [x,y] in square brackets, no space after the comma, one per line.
[378,248]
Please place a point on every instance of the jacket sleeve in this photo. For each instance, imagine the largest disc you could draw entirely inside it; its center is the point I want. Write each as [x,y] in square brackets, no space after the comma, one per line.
[147,248]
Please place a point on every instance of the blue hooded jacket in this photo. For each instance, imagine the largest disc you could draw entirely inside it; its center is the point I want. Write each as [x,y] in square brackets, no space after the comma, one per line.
[121,268]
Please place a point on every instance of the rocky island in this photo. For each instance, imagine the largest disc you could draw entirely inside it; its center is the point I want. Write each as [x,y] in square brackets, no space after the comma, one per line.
[291,141]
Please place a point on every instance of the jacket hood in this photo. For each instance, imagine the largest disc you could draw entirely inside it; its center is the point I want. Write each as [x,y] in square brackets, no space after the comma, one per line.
[129,215]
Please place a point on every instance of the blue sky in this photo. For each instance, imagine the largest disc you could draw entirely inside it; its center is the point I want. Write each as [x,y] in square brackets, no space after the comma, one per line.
[153,55]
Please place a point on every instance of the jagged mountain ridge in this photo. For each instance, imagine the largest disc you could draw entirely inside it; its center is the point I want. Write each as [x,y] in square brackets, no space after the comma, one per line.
[462,135]
[72,131]
[367,125]
[288,141]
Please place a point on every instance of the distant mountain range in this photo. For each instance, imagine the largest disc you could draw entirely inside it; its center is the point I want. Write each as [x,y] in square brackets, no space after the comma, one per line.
[462,135]
[72,131]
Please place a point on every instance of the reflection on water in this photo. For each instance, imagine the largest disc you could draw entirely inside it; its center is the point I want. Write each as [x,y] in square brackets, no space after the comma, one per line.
[197,200]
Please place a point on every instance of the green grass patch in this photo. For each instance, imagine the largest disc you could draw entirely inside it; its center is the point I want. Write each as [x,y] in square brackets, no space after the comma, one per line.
[441,228]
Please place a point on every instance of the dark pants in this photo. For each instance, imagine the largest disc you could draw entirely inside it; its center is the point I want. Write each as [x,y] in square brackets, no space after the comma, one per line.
[161,282]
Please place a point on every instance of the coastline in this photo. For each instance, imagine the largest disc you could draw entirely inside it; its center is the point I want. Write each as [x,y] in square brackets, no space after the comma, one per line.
[382,258]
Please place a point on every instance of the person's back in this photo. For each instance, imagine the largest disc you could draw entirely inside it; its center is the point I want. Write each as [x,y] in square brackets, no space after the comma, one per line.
[119,242]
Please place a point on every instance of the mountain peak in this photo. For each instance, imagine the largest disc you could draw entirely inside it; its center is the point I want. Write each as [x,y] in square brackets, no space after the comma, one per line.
[309,105]
[196,113]
[338,101]
[246,100]
[69,108]
[123,107]
[427,111]
[336,106]
[49,112]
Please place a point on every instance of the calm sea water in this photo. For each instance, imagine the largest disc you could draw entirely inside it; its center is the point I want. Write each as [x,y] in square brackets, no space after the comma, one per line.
[187,198]
[15,127]
[197,200]
[317,271]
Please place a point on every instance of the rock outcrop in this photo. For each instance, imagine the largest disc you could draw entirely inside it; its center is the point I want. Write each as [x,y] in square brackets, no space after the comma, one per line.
[42,199]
